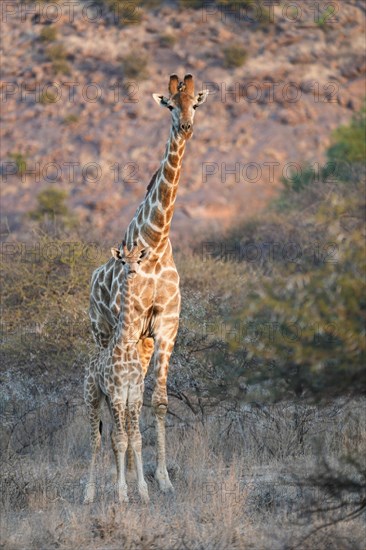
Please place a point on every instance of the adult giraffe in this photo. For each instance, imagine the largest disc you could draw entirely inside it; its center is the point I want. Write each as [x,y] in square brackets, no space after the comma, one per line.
[158,300]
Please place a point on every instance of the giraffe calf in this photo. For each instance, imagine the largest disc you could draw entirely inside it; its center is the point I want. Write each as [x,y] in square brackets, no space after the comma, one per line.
[115,373]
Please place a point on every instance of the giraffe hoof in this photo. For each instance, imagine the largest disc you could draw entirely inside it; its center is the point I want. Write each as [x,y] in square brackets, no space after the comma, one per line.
[89,496]
[165,485]
[123,499]
[144,493]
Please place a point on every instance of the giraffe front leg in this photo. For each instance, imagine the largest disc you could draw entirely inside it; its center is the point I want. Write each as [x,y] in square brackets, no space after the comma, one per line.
[119,445]
[93,399]
[160,406]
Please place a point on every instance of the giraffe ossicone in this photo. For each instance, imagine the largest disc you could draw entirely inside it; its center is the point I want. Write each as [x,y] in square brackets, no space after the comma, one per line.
[156,295]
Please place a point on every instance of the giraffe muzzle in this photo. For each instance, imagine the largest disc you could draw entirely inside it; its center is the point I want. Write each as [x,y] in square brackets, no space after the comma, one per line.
[186,128]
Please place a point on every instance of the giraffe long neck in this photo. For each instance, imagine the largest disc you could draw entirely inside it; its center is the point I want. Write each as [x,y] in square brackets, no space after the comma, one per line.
[151,223]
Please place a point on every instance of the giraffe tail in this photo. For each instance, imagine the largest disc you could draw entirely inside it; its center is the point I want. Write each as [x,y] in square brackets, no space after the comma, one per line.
[100,427]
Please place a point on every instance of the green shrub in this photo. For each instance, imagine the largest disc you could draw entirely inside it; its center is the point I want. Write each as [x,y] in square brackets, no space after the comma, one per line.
[58,55]
[51,202]
[345,156]
[230,4]
[56,52]
[167,40]
[195,4]
[306,309]
[322,21]
[234,56]
[135,66]
[71,119]
[48,34]
[308,175]
[61,66]
[315,307]
[125,13]
[240,3]
[151,4]
[291,320]
[350,140]
[20,162]
[47,97]
[45,295]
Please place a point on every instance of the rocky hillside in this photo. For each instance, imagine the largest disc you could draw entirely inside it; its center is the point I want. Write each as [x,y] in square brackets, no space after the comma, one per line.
[78,114]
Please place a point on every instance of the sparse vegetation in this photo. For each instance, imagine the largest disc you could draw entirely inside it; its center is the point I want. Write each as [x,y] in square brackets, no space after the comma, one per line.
[47,97]
[124,13]
[234,56]
[134,66]
[241,10]
[71,119]
[48,34]
[58,55]
[167,40]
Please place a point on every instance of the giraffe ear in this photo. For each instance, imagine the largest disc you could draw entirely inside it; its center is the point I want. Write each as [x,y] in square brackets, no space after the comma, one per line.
[161,100]
[116,253]
[201,97]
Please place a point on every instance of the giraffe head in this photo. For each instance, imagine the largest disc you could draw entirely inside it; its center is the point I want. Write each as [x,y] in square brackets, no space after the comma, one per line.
[131,259]
[182,102]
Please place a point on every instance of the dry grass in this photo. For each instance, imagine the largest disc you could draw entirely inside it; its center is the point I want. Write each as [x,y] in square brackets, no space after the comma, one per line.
[232,492]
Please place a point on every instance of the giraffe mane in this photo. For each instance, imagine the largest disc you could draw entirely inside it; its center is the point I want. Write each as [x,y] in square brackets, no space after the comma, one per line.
[151,184]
